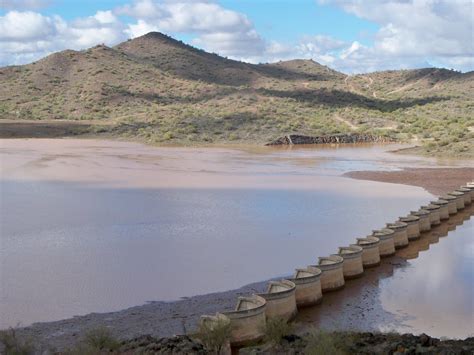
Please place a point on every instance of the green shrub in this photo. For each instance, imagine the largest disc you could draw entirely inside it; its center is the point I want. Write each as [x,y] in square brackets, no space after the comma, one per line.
[100,339]
[12,345]
[214,335]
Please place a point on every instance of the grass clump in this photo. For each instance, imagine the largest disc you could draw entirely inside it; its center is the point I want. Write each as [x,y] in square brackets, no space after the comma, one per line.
[96,341]
[214,334]
[276,329]
[320,342]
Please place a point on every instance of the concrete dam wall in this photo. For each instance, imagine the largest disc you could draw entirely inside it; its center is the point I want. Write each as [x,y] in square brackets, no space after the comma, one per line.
[308,285]
[330,139]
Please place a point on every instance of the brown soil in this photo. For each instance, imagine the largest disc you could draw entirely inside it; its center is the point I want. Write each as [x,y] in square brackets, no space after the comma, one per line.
[43,129]
[437,181]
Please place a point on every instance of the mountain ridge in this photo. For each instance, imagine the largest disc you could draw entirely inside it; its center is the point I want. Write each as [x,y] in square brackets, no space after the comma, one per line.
[159,90]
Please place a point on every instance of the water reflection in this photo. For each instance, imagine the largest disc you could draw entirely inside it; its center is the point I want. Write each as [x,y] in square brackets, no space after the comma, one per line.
[415,291]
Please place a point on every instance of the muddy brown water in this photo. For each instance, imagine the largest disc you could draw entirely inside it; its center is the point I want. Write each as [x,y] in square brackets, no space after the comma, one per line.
[97,226]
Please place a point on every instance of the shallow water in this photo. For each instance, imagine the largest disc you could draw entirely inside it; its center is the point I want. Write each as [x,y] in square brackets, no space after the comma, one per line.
[428,287]
[95,226]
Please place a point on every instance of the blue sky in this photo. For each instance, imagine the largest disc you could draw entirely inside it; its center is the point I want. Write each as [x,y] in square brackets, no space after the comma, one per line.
[349,35]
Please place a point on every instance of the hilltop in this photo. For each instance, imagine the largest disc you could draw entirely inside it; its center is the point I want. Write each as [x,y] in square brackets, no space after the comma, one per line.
[161,91]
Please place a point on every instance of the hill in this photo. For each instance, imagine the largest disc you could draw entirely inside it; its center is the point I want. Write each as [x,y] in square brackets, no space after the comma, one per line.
[159,90]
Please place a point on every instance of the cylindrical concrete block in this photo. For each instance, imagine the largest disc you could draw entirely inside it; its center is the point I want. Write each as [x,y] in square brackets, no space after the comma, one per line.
[424,222]
[370,251]
[400,237]
[413,226]
[467,195]
[281,300]
[387,244]
[435,218]
[443,209]
[332,276]
[452,204]
[353,266]
[470,186]
[308,286]
[247,321]
[459,199]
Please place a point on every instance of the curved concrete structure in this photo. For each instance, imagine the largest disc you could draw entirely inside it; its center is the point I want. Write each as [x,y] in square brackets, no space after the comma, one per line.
[281,300]
[353,266]
[387,244]
[467,195]
[247,321]
[424,222]
[370,251]
[452,204]
[459,199]
[308,286]
[435,218]
[332,276]
[413,226]
[443,209]
[400,237]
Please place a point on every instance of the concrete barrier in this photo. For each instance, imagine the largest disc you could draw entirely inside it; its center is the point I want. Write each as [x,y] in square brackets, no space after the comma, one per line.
[459,199]
[370,251]
[281,300]
[435,218]
[400,237]
[332,276]
[247,321]
[467,195]
[387,244]
[352,266]
[308,286]
[452,204]
[424,222]
[443,209]
[470,186]
[413,226]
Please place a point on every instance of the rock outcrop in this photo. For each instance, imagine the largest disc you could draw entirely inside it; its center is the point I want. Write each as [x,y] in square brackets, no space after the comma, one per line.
[330,139]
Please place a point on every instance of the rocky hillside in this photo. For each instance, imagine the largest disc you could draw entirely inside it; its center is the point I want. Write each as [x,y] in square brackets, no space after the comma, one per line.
[159,90]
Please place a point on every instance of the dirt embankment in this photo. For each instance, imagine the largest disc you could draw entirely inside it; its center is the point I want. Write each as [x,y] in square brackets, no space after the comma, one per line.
[437,181]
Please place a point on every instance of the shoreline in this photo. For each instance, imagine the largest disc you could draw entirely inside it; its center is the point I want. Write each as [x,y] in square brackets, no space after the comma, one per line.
[165,319]
[95,129]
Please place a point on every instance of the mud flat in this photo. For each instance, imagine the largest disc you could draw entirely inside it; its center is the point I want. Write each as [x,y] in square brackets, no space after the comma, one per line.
[437,181]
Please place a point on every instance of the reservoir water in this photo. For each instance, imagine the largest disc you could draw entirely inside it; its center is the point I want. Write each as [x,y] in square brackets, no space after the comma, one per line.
[96,226]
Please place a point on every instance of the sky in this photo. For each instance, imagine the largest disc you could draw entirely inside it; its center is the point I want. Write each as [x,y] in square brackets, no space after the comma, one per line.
[352,36]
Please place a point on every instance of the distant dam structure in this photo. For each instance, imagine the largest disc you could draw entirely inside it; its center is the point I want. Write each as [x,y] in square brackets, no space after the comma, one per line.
[308,285]
[294,139]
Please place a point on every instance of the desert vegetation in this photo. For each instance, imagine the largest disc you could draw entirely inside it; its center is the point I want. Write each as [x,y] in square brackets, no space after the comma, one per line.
[161,91]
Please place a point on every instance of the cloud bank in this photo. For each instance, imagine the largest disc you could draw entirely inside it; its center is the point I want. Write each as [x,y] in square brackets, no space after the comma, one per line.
[412,33]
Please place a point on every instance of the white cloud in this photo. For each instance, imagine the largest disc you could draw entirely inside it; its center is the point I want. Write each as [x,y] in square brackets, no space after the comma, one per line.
[26,26]
[27,36]
[217,29]
[140,28]
[416,32]
[141,9]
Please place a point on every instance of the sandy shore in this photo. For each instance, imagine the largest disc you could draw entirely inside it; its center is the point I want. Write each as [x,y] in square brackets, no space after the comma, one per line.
[163,319]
